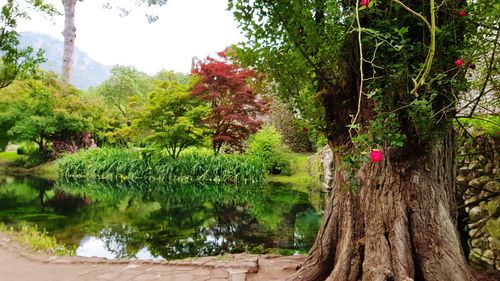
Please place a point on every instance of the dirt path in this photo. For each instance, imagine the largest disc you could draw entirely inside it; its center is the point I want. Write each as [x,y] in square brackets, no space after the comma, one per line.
[19,264]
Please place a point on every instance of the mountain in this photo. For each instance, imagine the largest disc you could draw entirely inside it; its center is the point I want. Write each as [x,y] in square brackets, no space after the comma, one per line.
[86,71]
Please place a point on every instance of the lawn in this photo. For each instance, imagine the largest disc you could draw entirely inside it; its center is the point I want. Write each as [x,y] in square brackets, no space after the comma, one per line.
[300,179]
[10,156]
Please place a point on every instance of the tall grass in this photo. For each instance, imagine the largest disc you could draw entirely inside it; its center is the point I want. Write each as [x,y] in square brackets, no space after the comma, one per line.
[116,164]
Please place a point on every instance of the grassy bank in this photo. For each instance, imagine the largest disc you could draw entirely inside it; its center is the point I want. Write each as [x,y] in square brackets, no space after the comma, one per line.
[9,157]
[299,178]
[116,164]
[9,164]
[204,168]
[37,240]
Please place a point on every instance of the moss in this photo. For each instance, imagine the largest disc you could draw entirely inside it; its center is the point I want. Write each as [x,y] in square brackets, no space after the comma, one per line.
[493,227]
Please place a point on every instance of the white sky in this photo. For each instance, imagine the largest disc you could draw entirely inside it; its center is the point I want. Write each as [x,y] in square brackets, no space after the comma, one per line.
[186,28]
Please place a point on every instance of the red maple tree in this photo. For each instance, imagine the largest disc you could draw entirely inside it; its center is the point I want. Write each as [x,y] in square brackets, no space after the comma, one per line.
[236,106]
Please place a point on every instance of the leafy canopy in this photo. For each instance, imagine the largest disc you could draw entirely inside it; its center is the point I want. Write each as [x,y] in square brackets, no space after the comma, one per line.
[16,61]
[172,118]
[236,106]
[382,75]
[43,110]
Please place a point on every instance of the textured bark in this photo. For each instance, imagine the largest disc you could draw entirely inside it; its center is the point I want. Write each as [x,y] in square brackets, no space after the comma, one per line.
[69,34]
[400,225]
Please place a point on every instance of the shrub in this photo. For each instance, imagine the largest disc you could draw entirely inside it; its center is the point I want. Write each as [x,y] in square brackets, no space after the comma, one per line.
[267,145]
[26,148]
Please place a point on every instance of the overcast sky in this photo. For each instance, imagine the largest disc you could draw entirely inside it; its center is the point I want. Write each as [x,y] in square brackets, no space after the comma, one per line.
[186,28]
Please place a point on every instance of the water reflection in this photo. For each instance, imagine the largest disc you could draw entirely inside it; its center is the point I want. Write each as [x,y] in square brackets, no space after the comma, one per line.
[91,246]
[171,222]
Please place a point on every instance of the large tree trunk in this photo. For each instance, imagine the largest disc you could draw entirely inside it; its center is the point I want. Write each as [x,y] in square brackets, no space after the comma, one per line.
[399,225]
[69,34]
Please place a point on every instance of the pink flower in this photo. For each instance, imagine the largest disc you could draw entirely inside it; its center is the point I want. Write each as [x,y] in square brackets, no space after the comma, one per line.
[376,155]
[459,62]
[462,13]
[364,3]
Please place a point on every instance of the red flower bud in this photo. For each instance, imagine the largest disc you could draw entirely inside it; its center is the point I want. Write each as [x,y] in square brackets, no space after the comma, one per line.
[376,155]
[459,62]
[305,130]
[364,3]
[462,13]
[472,66]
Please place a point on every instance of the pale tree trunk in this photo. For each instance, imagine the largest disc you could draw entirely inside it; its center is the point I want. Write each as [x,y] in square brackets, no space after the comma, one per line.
[69,34]
[399,225]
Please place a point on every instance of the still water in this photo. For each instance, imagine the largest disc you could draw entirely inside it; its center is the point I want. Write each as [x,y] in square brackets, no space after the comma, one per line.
[162,222]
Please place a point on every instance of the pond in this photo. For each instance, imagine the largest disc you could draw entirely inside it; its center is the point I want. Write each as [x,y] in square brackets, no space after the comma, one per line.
[162,222]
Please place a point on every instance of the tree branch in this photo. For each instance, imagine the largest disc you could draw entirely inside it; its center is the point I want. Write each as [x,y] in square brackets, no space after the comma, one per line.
[417,14]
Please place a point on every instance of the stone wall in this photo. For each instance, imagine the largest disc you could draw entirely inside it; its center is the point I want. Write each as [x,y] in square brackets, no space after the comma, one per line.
[478,163]
[320,168]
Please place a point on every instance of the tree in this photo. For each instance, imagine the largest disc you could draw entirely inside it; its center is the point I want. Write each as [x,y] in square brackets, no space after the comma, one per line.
[125,83]
[172,118]
[15,61]
[69,34]
[293,129]
[69,31]
[8,98]
[383,75]
[124,95]
[169,75]
[235,104]
[44,110]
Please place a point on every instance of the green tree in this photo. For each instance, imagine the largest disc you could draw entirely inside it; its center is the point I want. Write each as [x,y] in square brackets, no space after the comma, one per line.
[169,75]
[124,95]
[172,118]
[8,112]
[15,61]
[126,82]
[380,75]
[45,108]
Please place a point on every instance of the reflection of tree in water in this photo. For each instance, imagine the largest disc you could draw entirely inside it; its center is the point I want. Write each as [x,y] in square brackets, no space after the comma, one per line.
[306,227]
[183,221]
[122,241]
[41,186]
[204,230]
[66,203]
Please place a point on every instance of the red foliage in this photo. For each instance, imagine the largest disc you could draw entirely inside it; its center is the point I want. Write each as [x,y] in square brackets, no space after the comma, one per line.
[70,142]
[236,106]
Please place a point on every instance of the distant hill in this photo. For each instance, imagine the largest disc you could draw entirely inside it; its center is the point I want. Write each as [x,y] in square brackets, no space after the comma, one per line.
[86,72]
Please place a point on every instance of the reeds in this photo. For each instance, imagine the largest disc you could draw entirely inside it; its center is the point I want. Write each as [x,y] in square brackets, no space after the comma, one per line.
[118,164]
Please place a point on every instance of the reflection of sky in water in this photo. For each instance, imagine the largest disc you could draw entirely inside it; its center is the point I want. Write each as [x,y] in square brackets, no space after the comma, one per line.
[177,223]
[91,246]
